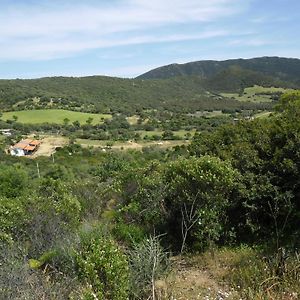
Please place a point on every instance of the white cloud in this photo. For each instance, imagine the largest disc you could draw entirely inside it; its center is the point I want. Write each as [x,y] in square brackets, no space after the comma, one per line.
[55,30]
[269,19]
[42,48]
[254,42]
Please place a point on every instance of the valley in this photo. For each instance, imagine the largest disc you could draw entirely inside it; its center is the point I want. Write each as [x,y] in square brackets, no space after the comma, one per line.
[182,183]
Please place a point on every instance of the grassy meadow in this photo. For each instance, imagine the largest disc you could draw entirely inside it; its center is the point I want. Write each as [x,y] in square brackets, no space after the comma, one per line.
[256,94]
[263,114]
[56,116]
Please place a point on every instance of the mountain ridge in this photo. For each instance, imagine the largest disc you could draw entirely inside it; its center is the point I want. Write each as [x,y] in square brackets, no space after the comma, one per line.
[283,68]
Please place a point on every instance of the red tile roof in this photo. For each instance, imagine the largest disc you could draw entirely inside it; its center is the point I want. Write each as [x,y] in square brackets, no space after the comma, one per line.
[35,143]
[20,145]
[29,148]
[27,144]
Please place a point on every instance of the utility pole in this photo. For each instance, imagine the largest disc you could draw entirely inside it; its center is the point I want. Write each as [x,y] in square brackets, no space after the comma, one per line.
[38,170]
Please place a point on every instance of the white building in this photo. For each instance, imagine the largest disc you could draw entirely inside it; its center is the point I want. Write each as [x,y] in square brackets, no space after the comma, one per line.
[17,152]
[6,132]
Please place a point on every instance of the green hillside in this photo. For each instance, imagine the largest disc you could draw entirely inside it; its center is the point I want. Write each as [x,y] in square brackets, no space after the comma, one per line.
[284,69]
[195,86]
[236,79]
[100,94]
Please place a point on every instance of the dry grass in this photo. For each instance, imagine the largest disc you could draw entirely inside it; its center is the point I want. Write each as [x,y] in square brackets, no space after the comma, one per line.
[190,280]
[132,120]
[130,144]
[241,273]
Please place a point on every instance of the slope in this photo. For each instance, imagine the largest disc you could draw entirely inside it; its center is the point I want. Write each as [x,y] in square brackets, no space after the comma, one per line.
[278,68]
[99,94]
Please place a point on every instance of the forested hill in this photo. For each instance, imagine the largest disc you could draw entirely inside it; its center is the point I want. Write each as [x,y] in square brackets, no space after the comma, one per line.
[188,87]
[107,94]
[277,68]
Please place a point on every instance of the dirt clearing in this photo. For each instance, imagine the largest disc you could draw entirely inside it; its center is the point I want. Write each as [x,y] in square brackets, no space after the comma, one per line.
[49,144]
[130,144]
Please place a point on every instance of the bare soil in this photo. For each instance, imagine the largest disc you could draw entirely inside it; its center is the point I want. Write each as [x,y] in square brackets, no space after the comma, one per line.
[48,146]
[134,145]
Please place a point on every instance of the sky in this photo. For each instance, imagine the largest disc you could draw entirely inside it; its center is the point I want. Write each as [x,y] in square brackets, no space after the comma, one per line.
[126,38]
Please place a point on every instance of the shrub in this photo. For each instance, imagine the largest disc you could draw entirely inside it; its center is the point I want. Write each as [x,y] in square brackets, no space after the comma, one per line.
[12,218]
[129,233]
[13,181]
[148,263]
[103,268]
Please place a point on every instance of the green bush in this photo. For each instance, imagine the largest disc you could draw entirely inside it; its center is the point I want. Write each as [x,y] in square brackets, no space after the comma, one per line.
[13,181]
[129,233]
[57,197]
[197,197]
[103,268]
[12,218]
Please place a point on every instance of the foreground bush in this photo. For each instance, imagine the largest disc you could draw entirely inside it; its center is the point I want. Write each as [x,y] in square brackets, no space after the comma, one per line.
[103,268]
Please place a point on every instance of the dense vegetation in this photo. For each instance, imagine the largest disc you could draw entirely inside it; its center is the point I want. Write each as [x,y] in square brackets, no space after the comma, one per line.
[150,125]
[112,95]
[100,229]
[177,88]
[105,228]
[264,68]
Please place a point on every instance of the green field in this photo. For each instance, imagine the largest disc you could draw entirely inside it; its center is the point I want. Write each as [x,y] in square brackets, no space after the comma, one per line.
[56,116]
[262,115]
[256,94]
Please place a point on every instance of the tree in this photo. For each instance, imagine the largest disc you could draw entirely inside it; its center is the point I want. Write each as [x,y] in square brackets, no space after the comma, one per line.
[168,135]
[66,121]
[76,124]
[89,121]
[266,152]
[197,196]
[186,199]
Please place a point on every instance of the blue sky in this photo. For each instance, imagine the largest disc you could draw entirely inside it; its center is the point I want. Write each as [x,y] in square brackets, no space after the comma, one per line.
[125,38]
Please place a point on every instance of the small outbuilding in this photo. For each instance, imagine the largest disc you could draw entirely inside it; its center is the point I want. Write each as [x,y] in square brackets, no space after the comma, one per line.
[6,132]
